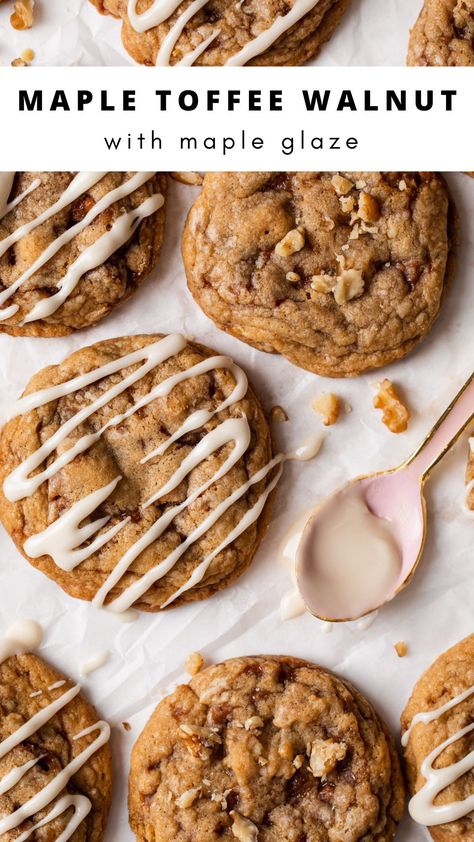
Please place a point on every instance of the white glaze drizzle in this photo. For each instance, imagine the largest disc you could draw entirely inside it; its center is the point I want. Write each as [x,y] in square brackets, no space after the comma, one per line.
[421,807]
[23,636]
[94,662]
[6,184]
[92,256]
[162,10]
[63,539]
[82,807]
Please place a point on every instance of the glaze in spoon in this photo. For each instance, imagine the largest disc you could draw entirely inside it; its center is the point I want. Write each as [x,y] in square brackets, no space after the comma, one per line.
[362,545]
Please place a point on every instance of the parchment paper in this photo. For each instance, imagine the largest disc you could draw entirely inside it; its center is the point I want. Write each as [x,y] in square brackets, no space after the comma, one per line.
[148,655]
[69,32]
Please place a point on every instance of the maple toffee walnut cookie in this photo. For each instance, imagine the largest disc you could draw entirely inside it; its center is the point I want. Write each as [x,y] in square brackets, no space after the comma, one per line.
[74,245]
[443,34]
[153,476]
[437,732]
[54,716]
[258,32]
[338,272]
[265,748]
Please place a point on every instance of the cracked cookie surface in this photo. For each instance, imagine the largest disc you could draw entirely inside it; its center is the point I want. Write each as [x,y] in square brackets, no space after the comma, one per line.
[119,452]
[339,272]
[237,24]
[98,290]
[267,748]
[448,677]
[24,683]
[443,35]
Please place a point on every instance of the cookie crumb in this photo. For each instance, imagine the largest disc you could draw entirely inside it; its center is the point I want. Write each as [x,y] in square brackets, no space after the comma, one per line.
[395,414]
[278,414]
[126,726]
[328,406]
[194,663]
[22,16]
[291,243]
[28,55]
[243,829]
[401,648]
[341,185]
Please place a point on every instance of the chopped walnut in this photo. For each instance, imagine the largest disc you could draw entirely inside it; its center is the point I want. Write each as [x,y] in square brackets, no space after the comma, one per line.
[243,829]
[347,203]
[350,284]
[401,648]
[324,756]
[19,62]
[323,283]
[298,761]
[402,185]
[278,414]
[328,406]
[253,722]
[194,662]
[293,277]
[369,210]
[361,184]
[193,178]
[188,798]
[341,185]
[395,413]
[198,738]
[291,243]
[22,16]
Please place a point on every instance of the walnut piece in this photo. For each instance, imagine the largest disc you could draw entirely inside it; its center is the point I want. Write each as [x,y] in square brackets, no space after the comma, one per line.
[395,413]
[341,185]
[198,739]
[347,203]
[323,283]
[293,277]
[188,798]
[243,829]
[401,648]
[349,284]
[22,15]
[369,210]
[278,414]
[328,406]
[324,756]
[291,243]
[194,662]
[253,722]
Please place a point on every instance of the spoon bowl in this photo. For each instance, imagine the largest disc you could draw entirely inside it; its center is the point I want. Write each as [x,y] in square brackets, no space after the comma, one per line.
[393,501]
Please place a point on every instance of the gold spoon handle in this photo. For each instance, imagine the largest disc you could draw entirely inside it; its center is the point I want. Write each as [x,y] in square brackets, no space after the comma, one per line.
[445,432]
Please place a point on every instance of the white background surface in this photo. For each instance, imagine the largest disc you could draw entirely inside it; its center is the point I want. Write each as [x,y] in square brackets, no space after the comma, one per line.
[432,614]
[67,32]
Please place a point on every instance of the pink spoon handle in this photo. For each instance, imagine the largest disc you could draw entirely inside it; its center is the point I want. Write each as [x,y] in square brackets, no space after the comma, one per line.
[445,432]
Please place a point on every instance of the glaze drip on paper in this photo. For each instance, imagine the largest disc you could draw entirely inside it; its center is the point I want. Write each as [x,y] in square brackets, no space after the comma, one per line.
[161,10]
[42,799]
[92,256]
[65,539]
[422,806]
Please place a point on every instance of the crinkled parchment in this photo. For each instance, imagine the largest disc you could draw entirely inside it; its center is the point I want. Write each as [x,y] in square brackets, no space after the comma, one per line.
[148,655]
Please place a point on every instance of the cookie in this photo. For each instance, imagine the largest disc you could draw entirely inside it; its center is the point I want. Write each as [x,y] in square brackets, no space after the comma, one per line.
[52,736]
[74,245]
[339,272]
[438,729]
[257,32]
[138,472]
[267,748]
[443,34]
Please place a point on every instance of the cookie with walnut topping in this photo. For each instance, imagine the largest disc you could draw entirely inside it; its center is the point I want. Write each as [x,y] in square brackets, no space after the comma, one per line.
[268,748]
[339,272]
[443,34]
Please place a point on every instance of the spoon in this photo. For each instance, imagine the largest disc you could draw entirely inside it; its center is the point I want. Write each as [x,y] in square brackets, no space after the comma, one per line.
[391,500]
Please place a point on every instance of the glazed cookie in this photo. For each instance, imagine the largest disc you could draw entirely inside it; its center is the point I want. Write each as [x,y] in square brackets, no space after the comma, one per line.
[52,747]
[269,749]
[339,272]
[443,34]
[138,472]
[438,728]
[216,32]
[74,245]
